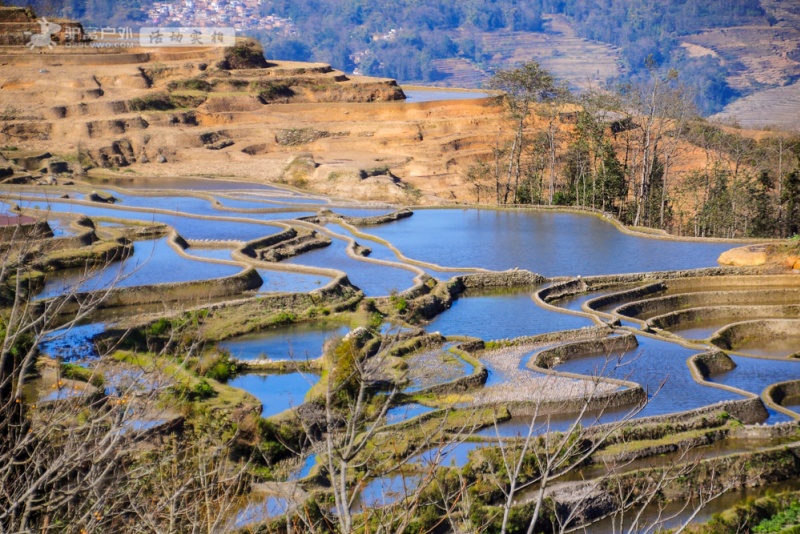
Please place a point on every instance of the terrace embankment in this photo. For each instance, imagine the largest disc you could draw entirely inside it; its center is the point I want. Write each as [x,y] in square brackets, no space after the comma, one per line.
[242,316]
[718,314]
[158,112]
[286,244]
[428,298]
[194,292]
[784,392]
[745,334]
[645,309]
[551,357]
[712,363]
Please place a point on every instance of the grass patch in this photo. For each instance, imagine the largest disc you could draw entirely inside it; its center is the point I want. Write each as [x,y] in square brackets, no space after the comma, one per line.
[206,394]
[81,374]
[670,439]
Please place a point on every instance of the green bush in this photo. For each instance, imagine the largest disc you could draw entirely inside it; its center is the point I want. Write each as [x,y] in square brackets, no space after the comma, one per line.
[789,517]
[272,90]
[192,84]
[203,390]
[81,374]
[157,102]
[284,318]
[160,327]
[219,368]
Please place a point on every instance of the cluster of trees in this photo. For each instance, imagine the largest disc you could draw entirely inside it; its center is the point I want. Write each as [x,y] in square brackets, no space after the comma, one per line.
[358,34]
[642,154]
[81,459]
[642,30]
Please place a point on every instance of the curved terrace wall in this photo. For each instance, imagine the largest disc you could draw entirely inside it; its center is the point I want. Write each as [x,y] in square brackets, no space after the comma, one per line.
[518,278]
[627,394]
[632,396]
[782,391]
[710,278]
[712,363]
[719,313]
[625,296]
[734,335]
[192,291]
[549,358]
[645,309]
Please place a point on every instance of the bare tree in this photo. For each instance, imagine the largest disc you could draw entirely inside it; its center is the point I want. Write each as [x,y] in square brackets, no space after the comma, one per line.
[527,87]
[346,427]
[663,108]
[81,457]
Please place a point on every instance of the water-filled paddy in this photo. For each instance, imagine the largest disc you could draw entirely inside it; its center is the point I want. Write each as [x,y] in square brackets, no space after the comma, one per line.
[277,392]
[373,279]
[652,363]
[305,469]
[385,491]
[379,251]
[452,454]
[72,343]
[210,253]
[290,282]
[299,342]
[658,366]
[775,347]
[549,243]
[404,412]
[253,203]
[698,330]
[755,374]
[61,228]
[500,315]
[152,262]
[261,509]
[188,227]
